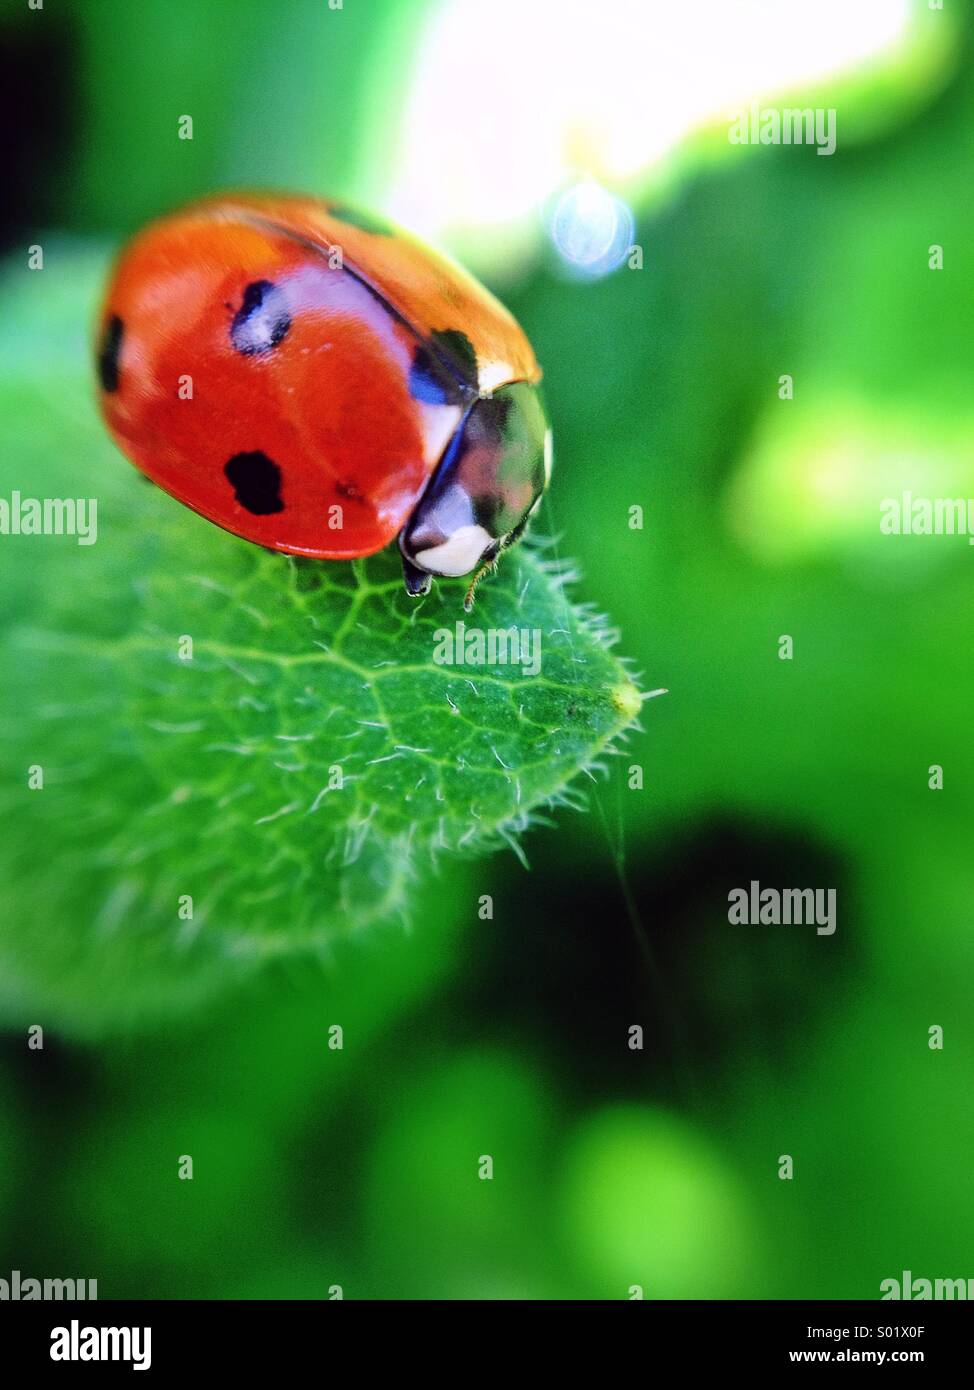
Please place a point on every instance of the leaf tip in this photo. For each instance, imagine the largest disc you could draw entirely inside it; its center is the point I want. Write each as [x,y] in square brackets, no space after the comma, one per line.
[626,700]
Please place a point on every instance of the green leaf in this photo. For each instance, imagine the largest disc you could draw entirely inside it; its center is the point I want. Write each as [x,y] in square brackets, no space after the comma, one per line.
[296,771]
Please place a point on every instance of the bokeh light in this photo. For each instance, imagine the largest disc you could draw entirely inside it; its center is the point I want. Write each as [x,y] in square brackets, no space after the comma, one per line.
[651,1205]
[813,481]
[561,89]
[592,230]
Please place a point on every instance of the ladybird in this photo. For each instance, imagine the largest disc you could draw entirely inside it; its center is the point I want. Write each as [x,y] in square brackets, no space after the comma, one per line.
[320,383]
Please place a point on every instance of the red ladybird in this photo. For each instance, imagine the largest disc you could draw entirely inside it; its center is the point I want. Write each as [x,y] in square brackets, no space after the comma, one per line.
[319,383]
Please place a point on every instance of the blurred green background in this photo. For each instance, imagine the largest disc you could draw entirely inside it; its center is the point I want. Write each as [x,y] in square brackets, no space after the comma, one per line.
[613,1167]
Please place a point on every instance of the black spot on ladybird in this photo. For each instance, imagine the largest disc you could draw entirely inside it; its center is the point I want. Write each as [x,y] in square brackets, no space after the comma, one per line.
[256,482]
[262,321]
[108,353]
[356,217]
[459,351]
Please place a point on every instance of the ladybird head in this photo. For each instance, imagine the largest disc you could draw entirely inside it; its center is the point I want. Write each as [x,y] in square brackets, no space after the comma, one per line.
[486,485]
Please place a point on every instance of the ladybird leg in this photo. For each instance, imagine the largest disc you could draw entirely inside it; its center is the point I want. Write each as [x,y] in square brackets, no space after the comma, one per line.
[487,568]
[517,533]
[491,563]
[417,581]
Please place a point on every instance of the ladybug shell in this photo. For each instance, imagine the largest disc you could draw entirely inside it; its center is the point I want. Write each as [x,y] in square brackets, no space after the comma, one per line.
[294,372]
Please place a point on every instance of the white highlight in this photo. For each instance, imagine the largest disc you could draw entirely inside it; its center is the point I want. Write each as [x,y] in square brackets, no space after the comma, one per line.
[495,374]
[551,89]
[549,456]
